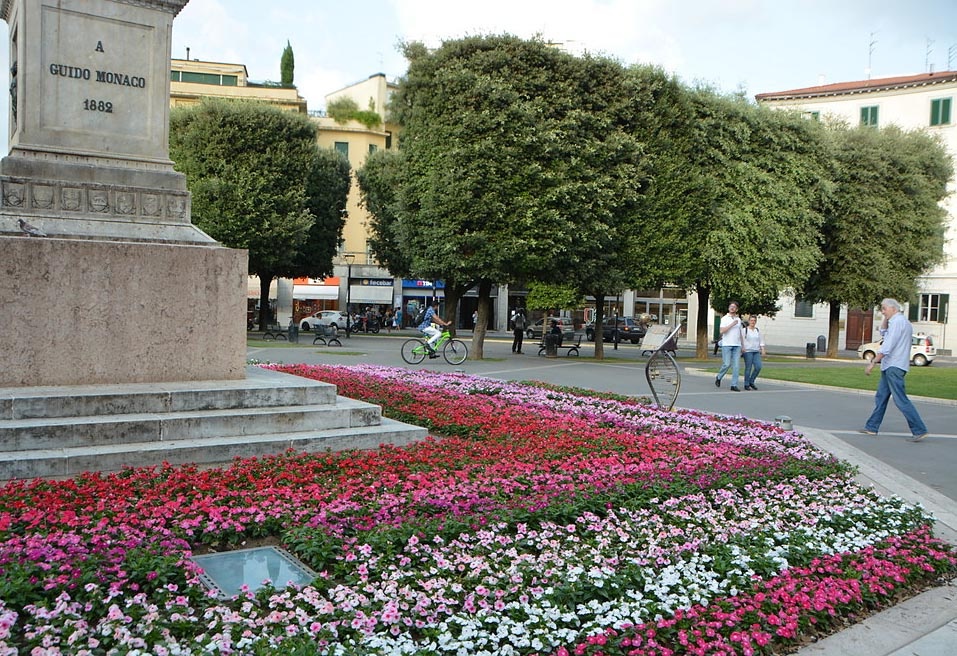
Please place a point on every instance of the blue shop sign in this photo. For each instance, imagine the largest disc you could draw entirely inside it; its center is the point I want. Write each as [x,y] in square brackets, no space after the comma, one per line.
[423,284]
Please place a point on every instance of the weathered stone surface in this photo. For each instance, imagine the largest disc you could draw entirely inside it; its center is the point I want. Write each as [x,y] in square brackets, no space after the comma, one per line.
[83,311]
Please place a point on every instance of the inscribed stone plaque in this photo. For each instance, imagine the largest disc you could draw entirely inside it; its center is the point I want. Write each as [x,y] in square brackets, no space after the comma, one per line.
[96,81]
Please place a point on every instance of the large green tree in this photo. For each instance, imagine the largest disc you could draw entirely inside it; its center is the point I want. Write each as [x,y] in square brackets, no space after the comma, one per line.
[255,175]
[328,179]
[884,225]
[634,153]
[511,150]
[745,213]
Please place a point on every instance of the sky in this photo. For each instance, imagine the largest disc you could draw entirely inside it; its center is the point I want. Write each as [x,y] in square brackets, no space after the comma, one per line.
[751,45]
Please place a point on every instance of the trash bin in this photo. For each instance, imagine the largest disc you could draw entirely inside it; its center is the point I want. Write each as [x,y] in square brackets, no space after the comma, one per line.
[293,333]
[810,350]
[821,343]
[551,345]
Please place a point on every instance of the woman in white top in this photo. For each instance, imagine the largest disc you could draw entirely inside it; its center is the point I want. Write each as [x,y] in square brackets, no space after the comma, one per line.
[753,348]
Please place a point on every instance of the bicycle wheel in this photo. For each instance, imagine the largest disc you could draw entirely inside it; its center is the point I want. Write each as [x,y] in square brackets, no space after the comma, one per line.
[455,352]
[413,351]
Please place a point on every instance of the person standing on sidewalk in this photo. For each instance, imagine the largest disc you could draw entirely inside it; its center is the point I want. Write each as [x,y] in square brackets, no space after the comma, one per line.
[894,356]
[730,347]
[752,347]
[518,329]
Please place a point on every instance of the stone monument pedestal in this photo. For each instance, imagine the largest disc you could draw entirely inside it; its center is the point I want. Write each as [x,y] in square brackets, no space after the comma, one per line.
[103,277]
[90,311]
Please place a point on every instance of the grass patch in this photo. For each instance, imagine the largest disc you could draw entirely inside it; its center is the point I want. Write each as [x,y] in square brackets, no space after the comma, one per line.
[939,382]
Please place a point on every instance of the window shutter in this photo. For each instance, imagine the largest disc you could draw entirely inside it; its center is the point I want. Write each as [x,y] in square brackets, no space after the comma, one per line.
[913,308]
[944,305]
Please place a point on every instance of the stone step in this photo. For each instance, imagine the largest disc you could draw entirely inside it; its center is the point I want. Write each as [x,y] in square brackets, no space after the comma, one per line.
[26,434]
[261,388]
[64,431]
[70,461]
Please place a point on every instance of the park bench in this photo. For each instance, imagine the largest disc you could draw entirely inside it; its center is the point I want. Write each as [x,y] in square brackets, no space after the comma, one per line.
[571,348]
[275,332]
[327,336]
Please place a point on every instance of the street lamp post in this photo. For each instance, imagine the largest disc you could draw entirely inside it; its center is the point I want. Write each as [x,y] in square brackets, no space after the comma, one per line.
[349,257]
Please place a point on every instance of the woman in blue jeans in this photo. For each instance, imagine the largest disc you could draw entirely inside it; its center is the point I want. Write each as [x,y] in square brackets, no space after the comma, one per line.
[752,347]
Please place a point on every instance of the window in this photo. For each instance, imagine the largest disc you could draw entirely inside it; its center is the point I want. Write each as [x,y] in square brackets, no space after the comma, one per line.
[803,309]
[373,148]
[814,116]
[931,308]
[940,111]
[342,147]
[869,116]
[204,78]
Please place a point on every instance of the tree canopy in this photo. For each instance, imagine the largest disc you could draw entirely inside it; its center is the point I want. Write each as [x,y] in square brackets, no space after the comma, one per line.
[516,165]
[258,182]
[884,225]
[520,163]
[749,226]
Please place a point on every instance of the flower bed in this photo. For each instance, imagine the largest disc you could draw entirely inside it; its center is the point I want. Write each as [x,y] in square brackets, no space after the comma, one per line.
[543,522]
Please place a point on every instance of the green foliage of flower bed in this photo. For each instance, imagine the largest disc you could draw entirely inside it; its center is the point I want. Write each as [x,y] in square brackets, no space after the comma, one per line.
[544,520]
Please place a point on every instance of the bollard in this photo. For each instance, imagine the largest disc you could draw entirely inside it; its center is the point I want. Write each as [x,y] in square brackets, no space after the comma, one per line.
[551,345]
[783,421]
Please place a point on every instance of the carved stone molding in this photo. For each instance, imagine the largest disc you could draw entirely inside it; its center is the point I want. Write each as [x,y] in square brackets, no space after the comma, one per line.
[72,199]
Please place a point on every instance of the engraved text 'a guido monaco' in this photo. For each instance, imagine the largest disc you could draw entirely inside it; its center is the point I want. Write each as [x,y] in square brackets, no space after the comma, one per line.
[106,77]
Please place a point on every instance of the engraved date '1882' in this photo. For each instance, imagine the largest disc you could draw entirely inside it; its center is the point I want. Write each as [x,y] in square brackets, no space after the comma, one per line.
[98,105]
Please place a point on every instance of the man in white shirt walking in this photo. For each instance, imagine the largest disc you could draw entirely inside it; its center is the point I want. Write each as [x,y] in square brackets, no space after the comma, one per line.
[730,347]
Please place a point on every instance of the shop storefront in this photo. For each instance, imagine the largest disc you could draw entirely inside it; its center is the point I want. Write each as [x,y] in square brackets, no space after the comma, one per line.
[417,293]
[374,293]
[310,295]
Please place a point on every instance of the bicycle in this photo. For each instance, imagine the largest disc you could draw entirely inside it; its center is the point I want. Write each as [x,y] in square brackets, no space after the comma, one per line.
[415,350]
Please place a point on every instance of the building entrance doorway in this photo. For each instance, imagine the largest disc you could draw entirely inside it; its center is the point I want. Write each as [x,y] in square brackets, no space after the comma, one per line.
[860,328]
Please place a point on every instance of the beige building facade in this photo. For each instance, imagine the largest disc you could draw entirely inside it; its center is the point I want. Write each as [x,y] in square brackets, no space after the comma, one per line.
[191,80]
[914,102]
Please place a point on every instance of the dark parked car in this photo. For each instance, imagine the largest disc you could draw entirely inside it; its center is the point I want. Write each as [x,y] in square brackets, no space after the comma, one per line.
[568,328]
[630,329]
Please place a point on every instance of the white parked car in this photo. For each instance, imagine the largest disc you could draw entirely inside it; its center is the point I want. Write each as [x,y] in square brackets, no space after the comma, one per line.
[323,318]
[922,350]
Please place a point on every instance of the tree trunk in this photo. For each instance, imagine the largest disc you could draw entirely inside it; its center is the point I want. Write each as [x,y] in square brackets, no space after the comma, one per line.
[265,281]
[452,296]
[701,330]
[599,320]
[481,322]
[833,328]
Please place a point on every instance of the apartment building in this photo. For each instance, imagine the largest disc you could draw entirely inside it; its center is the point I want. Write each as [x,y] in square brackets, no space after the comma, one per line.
[911,102]
[192,79]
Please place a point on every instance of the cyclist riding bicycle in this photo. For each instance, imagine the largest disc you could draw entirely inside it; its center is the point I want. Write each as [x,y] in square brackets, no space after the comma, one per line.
[427,327]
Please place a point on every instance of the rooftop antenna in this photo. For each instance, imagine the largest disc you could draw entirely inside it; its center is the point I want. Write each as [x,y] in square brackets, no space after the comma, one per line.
[870,54]
[927,65]
[187,53]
